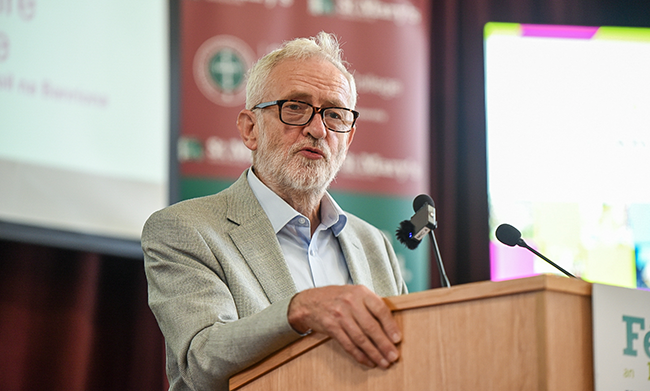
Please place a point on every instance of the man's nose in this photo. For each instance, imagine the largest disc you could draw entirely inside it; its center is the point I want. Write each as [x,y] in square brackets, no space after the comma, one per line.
[316,127]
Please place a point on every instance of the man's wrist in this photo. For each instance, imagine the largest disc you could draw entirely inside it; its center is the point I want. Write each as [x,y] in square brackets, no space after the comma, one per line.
[294,317]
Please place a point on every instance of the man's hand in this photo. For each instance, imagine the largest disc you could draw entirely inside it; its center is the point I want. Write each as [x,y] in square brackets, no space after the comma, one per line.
[354,316]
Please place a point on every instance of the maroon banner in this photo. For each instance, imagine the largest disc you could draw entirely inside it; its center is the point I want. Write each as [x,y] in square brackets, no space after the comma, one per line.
[386,44]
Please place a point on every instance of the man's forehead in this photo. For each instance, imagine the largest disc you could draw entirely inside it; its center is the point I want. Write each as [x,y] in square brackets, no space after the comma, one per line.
[313,78]
[309,98]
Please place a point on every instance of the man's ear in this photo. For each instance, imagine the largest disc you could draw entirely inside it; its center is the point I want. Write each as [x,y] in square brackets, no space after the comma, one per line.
[248,128]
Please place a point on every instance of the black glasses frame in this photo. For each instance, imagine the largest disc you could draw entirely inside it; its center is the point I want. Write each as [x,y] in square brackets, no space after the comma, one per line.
[316,110]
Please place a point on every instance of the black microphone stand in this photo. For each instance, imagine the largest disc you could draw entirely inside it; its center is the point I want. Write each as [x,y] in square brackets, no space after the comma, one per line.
[444,281]
[521,243]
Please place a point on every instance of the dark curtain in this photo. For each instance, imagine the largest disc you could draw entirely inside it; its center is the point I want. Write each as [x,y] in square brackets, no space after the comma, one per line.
[72,320]
[457,138]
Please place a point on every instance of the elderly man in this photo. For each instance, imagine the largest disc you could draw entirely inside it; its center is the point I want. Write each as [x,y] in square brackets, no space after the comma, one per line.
[239,274]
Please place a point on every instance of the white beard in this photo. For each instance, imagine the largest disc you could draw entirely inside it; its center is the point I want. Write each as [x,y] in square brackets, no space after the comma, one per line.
[293,172]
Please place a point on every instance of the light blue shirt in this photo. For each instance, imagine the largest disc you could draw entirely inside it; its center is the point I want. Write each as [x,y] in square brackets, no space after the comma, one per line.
[313,261]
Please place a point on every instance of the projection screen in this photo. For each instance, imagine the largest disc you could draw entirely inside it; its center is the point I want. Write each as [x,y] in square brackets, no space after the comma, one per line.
[84,121]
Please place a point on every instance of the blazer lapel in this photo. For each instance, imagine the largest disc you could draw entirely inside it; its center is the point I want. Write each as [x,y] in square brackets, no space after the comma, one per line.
[355,258]
[255,239]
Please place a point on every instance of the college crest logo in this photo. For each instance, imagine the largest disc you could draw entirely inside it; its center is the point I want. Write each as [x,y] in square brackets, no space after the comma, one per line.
[220,66]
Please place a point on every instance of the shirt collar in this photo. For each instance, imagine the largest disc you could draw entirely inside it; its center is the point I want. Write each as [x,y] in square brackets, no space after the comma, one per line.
[280,213]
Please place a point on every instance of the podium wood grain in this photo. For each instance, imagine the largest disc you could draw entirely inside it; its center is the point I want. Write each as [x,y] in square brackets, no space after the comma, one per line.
[528,334]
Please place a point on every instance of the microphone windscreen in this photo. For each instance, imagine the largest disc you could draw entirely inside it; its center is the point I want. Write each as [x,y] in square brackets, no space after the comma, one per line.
[421,200]
[405,234]
[507,234]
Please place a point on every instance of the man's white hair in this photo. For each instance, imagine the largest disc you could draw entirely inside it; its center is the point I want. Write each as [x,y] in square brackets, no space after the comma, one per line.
[324,45]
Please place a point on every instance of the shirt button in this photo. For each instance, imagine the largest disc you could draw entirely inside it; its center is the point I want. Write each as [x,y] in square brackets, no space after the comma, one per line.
[302,221]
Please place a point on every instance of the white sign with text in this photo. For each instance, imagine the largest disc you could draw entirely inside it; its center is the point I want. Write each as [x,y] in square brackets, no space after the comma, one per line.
[621,321]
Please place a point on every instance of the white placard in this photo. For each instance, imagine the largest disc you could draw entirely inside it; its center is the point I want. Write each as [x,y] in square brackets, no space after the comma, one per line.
[621,325]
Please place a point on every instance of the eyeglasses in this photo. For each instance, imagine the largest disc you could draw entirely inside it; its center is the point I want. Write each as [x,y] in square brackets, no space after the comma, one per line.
[297,113]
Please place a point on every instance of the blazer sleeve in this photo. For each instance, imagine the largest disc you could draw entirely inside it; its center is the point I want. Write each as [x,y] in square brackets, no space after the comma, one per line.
[207,339]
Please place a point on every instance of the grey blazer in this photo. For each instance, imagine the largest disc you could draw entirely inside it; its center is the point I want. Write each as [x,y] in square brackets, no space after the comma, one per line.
[220,288]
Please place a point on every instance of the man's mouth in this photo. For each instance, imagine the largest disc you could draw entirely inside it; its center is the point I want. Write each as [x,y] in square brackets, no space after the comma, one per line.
[312,153]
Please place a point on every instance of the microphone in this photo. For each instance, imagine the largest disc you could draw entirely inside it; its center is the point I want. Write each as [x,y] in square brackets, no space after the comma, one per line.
[411,232]
[423,222]
[510,236]
[420,201]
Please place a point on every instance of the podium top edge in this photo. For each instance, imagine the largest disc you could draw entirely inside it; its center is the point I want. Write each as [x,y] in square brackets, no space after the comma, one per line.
[488,289]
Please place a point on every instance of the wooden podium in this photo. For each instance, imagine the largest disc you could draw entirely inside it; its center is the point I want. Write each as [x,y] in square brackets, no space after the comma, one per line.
[529,334]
